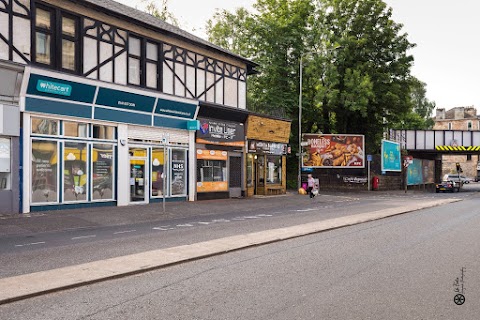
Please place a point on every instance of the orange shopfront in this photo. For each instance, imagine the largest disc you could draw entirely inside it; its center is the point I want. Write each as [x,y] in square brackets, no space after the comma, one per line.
[220,149]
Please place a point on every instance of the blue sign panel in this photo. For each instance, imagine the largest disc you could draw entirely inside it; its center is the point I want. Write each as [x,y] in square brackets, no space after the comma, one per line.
[61,89]
[193,125]
[54,88]
[125,100]
[176,109]
[391,158]
[415,173]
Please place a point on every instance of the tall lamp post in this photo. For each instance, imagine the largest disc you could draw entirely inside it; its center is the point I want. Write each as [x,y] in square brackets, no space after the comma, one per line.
[300,155]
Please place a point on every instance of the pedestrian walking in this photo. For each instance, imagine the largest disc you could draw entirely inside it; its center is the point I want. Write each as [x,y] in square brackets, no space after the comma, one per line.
[311,186]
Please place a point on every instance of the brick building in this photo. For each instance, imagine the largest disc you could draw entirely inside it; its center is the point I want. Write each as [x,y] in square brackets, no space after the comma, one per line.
[459,118]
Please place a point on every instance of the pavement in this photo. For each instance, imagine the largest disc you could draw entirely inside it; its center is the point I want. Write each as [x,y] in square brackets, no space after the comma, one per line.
[34,284]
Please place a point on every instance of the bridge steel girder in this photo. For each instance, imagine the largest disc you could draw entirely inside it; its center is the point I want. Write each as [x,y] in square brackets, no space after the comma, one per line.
[438,141]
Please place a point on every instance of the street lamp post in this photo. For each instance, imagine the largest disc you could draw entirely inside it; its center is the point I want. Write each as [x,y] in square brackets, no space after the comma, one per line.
[300,156]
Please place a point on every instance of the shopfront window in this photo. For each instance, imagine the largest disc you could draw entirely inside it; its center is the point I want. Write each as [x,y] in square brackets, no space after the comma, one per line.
[102,171]
[158,167]
[75,129]
[44,171]
[75,157]
[103,132]
[212,171]
[178,172]
[5,164]
[274,169]
[44,126]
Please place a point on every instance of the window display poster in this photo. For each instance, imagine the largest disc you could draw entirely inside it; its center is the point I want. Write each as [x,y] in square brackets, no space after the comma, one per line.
[178,170]
[44,171]
[102,171]
[75,156]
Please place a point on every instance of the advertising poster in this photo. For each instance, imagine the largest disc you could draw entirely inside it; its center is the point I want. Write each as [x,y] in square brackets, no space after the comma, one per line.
[415,172]
[178,172]
[391,157]
[102,172]
[333,151]
[44,171]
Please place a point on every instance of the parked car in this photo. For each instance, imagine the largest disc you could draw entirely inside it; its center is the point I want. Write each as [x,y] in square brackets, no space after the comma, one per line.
[446,186]
[466,180]
[455,177]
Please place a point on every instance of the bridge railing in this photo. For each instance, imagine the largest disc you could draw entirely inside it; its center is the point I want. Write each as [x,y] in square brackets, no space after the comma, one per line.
[433,139]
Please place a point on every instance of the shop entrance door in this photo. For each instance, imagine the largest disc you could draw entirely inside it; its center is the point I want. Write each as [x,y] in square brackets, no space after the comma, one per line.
[260,175]
[139,187]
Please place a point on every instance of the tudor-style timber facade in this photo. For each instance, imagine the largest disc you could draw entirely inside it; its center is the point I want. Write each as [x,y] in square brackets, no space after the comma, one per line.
[99,106]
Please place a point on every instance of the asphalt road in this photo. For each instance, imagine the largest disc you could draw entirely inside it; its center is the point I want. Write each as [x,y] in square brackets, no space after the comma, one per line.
[410,266]
[49,250]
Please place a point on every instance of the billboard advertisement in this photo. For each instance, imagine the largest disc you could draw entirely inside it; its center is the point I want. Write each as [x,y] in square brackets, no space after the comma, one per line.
[415,173]
[333,151]
[391,158]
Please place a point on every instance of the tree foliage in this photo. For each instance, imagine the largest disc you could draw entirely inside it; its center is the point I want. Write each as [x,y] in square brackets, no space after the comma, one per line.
[356,65]
[162,13]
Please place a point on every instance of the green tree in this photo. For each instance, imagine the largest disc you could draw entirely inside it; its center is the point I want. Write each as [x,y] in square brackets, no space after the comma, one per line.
[419,115]
[356,74]
[162,12]
[372,66]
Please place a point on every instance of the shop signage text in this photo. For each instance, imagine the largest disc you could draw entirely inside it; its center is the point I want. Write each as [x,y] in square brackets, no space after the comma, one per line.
[265,147]
[359,180]
[54,88]
[221,132]
[124,100]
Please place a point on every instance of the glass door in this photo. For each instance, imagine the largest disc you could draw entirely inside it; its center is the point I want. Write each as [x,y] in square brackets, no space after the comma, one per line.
[138,175]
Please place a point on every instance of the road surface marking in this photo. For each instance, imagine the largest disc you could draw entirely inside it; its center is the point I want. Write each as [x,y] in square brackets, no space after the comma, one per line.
[239,219]
[305,210]
[251,217]
[202,222]
[30,244]
[126,231]
[264,215]
[161,229]
[220,220]
[84,237]
[185,225]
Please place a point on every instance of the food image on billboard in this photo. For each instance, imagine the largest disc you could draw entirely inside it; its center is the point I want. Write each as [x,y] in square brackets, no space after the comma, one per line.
[333,151]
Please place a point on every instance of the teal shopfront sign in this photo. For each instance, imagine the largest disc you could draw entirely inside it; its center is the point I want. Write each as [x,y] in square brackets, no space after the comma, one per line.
[125,100]
[62,97]
[175,109]
[193,125]
[44,86]
[391,158]
[54,88]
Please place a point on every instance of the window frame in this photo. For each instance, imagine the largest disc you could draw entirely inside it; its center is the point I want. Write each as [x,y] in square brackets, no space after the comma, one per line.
[56,38]
[75,39]
[43,31]
[140,58]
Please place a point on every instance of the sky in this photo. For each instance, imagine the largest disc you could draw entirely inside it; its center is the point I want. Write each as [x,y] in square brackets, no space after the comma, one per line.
[446,34]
